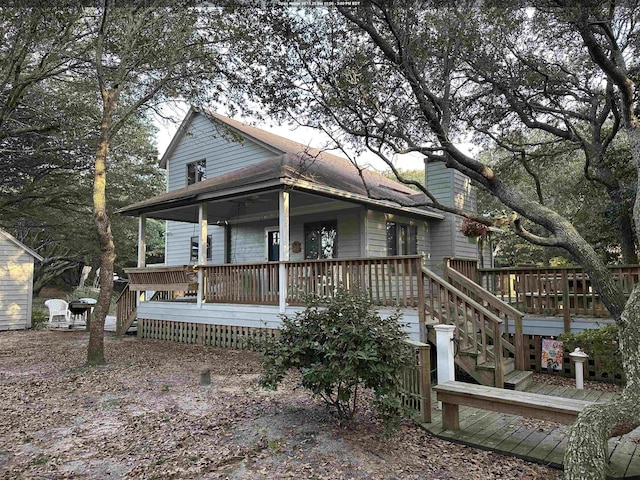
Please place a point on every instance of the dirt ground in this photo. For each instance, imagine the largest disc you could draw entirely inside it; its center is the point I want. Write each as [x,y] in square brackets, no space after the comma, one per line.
[144,415]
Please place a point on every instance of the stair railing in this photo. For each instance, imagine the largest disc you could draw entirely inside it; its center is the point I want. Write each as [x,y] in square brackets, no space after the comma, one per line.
[125,309]
[477,328]
[502,309]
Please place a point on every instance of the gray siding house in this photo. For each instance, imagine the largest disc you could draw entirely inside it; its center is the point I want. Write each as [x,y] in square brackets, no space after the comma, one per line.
[260,218]
[16,282]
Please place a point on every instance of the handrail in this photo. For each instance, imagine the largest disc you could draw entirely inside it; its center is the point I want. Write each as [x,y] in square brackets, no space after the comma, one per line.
[502,309]
[125,309]
[461,294]
[485,294]
[557,267]
[122,292]
[476,326]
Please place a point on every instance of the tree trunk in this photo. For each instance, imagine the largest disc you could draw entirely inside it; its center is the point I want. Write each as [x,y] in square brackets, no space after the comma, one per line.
[627,243]
[586,456]
[95,353]
[624,226]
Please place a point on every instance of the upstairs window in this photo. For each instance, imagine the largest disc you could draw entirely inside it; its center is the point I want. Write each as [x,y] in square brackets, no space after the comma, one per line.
[196,171]
[402,239]
[321,240]
[195,249]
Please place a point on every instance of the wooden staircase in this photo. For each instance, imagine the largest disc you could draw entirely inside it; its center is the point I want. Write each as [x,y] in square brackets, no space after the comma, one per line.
[487,348]
[126,310]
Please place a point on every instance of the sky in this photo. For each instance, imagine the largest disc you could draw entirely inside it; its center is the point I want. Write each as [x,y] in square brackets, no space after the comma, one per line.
[305,135]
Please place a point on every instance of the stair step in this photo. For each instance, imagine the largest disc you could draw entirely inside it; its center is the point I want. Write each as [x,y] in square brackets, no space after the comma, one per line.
[509,365]
[518,380]
[470,352]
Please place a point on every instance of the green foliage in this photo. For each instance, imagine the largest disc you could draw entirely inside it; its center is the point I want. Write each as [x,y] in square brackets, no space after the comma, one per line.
[38,318]
[598,342]
[340,346]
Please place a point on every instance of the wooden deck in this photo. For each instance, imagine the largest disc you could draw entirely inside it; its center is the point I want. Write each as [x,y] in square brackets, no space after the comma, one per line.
[535,440]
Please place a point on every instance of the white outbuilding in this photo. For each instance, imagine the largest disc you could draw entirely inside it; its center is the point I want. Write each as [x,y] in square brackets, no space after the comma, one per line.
[16,282]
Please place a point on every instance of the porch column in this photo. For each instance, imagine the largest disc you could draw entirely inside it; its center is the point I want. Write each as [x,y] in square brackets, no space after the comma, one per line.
[283,207]
[142,245]
[142,249]
[202,249]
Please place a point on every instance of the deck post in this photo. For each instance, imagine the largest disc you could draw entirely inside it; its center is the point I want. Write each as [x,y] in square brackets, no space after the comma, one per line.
[142,250]
[566,313]
[283,208]
[202,249]
[445,353]
[142,246]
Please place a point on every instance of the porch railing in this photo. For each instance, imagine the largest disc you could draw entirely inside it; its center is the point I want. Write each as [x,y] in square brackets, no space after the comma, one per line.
[254,283]
[554,290]
[465,266]
[389,280]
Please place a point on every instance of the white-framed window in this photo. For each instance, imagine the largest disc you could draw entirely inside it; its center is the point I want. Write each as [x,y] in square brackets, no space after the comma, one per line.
[402,239]
[194,255]
[196,172]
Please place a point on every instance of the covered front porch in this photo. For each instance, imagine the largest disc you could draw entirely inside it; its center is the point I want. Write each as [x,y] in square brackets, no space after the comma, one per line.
[268,244]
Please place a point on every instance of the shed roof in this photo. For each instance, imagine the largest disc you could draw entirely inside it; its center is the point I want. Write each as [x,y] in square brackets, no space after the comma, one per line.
[19,244]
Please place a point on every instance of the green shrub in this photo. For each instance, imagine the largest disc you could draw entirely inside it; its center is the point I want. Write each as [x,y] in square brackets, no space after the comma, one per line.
[341,346]
[598,342]
[38,318]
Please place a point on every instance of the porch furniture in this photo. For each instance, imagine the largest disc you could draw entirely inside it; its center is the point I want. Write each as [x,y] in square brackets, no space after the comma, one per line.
[59,314]
[534,405]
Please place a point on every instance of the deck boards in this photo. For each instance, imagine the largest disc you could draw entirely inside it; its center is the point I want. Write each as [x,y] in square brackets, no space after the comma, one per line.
[534,440]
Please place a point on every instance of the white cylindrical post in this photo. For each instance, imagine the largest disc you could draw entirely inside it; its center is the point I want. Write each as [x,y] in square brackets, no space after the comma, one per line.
[283,228]
[202,249]
[579,358]
[445,349]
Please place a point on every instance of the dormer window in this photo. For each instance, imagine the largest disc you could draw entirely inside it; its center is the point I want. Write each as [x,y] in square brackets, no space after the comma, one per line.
[196,171]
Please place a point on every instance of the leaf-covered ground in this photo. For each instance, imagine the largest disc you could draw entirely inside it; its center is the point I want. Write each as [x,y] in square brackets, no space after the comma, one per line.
[145,415]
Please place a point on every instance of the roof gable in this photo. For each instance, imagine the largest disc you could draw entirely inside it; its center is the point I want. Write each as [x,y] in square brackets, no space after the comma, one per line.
[225,127]
[6,235]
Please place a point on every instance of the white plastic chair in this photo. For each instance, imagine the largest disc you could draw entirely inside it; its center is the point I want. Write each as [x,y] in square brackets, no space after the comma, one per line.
[59,314]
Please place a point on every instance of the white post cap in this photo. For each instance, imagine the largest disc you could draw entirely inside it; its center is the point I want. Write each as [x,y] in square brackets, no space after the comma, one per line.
[441,327]
[578,355]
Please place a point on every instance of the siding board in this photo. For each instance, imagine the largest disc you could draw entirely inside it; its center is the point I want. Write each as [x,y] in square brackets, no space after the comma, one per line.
[16,286]
[223,154]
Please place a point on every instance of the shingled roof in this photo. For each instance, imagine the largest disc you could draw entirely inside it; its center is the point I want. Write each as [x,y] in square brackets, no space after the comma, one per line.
[299,166]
